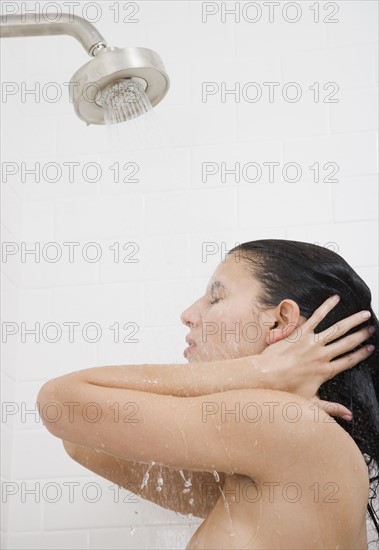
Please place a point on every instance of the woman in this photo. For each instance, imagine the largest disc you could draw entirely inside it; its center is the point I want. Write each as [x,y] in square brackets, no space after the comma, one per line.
[262,460]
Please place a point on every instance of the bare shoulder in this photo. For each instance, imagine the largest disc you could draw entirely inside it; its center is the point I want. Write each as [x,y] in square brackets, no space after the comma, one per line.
[334,459]
[342,446]
[330,430]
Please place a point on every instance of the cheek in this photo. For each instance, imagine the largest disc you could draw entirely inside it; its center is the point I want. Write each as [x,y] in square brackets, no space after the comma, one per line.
[241,327]
[223,325]
[224,311]
[221,317]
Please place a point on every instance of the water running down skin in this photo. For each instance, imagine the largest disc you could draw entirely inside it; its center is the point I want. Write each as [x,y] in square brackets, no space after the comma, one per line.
[171,415]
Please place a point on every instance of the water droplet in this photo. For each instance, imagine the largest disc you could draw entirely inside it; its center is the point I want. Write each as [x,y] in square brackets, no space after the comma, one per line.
[146,476]
[187,482]
[145,480]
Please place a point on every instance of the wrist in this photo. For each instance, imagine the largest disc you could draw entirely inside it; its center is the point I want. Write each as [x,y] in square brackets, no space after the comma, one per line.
[256,373]
[265,375]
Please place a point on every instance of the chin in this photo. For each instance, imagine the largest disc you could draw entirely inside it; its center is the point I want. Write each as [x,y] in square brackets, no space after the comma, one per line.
[197,355]
[196,358]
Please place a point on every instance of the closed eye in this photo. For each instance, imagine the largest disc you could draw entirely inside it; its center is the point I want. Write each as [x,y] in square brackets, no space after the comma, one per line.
[215,290]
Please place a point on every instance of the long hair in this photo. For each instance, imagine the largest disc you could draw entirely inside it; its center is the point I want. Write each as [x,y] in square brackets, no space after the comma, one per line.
[309,274]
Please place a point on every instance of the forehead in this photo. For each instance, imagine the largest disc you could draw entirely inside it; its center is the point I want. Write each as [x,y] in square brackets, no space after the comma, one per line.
[233,273]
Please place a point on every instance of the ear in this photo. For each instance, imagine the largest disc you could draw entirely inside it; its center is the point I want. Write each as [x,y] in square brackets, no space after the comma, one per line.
[286,319]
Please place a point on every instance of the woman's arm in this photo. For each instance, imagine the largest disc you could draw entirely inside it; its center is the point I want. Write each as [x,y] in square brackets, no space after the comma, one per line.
[180,380]
[97,408]
[297,365]
[165,487]
[238,431]
[127,472]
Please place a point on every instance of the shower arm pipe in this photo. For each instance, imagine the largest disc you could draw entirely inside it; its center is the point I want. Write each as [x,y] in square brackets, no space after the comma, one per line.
[30,25]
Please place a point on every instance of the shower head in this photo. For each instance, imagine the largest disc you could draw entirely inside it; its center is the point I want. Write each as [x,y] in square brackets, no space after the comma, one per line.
[90,85]
[108,78]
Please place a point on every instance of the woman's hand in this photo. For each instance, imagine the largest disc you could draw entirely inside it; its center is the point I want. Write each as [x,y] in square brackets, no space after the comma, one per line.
[304,361]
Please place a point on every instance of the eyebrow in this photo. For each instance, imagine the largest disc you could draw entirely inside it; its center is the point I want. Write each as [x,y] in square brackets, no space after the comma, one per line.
[216,285]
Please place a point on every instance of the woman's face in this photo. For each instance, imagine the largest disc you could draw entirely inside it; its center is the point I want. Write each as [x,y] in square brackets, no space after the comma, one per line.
[225,323]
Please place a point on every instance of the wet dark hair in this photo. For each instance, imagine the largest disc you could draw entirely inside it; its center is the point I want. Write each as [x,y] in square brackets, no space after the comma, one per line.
[309,274]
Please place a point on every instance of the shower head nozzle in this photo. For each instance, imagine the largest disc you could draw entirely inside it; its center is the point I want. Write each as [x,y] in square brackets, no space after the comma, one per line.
[90,85]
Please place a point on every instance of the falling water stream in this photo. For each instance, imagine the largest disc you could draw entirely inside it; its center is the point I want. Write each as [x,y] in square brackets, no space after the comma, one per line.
[187,482]
[186,489]
[123,101]
[130,120]
[132,125]
[147,475]
[226,504]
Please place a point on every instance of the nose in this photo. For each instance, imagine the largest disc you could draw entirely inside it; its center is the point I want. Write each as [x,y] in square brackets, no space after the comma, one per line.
[190,316]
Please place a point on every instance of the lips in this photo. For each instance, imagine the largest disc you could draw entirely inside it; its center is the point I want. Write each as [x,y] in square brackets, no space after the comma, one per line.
[191,344]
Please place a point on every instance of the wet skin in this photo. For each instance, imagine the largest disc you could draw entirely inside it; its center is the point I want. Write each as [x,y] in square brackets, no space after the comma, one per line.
[294,509]
[310,485]
[318,501]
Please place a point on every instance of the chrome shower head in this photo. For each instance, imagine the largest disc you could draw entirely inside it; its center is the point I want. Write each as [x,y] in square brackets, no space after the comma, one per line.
[90,85]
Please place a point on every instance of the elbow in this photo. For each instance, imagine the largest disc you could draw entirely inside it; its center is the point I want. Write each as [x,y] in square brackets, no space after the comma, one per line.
[49,408]
[70,448]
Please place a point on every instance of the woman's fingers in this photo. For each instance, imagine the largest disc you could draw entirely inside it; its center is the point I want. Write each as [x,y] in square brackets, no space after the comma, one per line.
[343,326]
[321,312]
[349,361]
[349,342]
[338,329]
[335,409]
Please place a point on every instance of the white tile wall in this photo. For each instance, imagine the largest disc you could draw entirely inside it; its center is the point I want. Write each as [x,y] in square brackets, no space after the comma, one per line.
[105,218]
[353,152]
[181,225]
[341,65]
[43,540]
[345,34]
[197,209]
[360,119]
